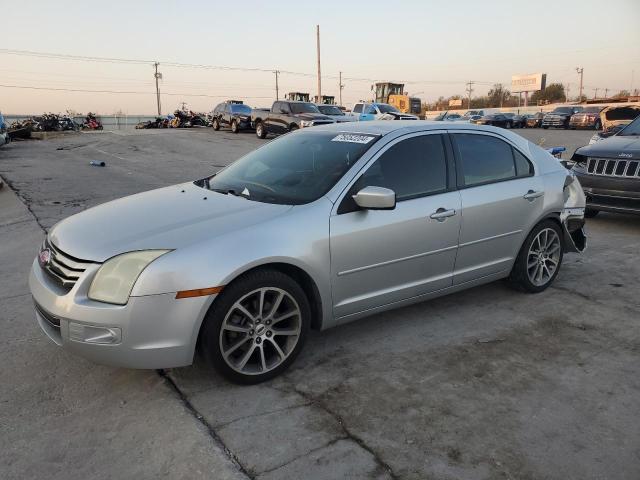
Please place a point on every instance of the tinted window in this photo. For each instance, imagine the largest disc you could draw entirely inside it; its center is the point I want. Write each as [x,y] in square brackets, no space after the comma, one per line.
[357,108]
[237,108]
[412,168]
[370,109]
[523,167]
[484,159]
[218,108]
[304,108]
[293,169]
[384,108]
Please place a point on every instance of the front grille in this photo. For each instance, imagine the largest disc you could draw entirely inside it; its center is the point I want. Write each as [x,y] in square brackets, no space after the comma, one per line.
[64,268]
[611,167]
[322,122]
[54,322]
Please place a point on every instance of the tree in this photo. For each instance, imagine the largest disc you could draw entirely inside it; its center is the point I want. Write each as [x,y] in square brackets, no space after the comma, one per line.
[498,96]
[622,94]
[554,93]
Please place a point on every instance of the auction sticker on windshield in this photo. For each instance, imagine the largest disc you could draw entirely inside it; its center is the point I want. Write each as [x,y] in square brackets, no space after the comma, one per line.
[353,138]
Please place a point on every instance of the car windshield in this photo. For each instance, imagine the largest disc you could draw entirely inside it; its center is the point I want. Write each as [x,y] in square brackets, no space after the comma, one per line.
[633,129]
[509,114]
[330,110]
[294,169]
[385,108]
[304,108]
[241,109]
[592,109]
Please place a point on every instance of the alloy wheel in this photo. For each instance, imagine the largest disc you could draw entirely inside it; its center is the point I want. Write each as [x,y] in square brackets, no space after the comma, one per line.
[543,258]
[260,331]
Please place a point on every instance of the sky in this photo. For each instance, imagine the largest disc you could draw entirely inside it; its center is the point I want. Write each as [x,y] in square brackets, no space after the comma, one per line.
[434,47]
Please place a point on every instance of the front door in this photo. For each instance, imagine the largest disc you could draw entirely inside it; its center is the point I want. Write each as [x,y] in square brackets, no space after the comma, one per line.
[383,256]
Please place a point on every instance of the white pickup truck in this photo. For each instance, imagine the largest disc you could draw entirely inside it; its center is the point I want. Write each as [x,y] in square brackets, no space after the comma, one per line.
[364,111]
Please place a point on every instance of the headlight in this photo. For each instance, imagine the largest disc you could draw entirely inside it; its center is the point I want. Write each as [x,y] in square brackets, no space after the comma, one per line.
[306,123]
[115,279]
[595,138]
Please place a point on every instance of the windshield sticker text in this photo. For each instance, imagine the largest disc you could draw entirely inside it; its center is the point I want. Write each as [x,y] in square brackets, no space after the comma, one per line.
[352,138]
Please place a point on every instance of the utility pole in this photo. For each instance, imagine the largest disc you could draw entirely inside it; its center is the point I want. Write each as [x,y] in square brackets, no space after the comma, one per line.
[595,93]
[340,87]
[158,76]
[580,70]
[277,93]
[319,77]
[606,93]
[469,90]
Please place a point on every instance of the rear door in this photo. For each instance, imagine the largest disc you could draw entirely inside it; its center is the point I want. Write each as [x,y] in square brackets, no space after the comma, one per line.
[380,257]
[226,115]
[501,201]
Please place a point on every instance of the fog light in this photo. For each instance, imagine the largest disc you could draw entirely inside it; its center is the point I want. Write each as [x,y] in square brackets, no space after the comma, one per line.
[92,334]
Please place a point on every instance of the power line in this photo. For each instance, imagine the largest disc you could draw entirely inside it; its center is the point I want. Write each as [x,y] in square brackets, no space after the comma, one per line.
[117,91]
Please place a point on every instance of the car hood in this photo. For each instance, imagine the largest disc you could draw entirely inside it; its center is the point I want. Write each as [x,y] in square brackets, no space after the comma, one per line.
[612,147]
[312,116]
[167,218]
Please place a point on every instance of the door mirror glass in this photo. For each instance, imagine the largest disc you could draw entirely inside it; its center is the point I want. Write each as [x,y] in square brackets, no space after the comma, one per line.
[376,198]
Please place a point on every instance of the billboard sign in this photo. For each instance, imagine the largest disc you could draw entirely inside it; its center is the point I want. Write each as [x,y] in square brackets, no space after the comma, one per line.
[528,83]
[455,102]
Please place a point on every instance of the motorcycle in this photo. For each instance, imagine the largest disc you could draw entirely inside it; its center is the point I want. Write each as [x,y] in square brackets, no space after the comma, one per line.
[91,122]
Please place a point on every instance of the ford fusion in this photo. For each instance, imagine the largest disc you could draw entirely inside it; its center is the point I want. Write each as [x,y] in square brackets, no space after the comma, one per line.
[315,229]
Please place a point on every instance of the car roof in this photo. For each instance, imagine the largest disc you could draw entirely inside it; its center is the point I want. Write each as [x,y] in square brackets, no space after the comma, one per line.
[385,127]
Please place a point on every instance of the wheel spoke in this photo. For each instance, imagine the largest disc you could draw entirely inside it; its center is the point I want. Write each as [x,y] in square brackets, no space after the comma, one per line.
[261,303]
[235,347]
[290,314]
[553,249]
[236,328]
[278,349]
[247,356]
[288,332]
[244,311]
[263,361]
[276,305]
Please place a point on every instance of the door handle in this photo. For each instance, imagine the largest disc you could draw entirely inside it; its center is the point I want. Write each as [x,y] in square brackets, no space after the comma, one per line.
[531,195]
[442,214]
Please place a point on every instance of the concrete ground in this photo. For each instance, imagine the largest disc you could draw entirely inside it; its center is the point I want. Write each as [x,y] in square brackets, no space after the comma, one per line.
[484,384]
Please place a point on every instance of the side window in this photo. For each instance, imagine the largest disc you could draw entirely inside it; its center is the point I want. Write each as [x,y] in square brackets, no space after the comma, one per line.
[218,108]
[370,110]
[285,107]
[357,108]
[276,107]
[484,159]
[412,168]
[227,108]
[523,166]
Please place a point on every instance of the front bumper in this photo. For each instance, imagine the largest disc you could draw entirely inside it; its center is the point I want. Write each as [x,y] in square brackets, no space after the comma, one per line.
[610,194]
[554,122]
[154,331]
[585,122]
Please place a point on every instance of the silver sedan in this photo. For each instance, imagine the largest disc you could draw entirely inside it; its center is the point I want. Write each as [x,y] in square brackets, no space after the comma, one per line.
[317,228]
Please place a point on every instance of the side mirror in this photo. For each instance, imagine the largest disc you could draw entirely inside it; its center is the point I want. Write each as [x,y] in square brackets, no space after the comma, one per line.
[375,198]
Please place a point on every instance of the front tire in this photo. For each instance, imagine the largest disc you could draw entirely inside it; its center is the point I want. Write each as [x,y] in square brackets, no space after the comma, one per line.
[590,213]
[216,124]
[256,327]
[260,130]
[539,260]
[234,126]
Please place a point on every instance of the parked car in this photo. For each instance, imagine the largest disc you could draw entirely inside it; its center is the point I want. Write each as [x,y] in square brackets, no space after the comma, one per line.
[472,113]
[236,116]
[534,120]
[379,111]
[4,135]
[615,116]
[314,229]
[589,117]
[286,116]
[609,172]
[494,119]
[336,113]
[559,117]
[517,120]
[449,117]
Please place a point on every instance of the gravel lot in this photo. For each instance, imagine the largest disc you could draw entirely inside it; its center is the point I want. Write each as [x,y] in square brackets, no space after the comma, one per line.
[484,384]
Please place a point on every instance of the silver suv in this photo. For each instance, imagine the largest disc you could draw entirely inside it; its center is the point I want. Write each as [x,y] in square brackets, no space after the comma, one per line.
[315,229]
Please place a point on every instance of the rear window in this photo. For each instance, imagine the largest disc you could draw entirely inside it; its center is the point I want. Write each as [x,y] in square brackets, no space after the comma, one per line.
[484,159]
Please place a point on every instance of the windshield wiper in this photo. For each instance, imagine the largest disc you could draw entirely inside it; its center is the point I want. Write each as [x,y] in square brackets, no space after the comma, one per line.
[228,191]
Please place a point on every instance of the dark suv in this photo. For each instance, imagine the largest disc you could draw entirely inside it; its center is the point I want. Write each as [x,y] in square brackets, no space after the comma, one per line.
[236,116]
[609,172]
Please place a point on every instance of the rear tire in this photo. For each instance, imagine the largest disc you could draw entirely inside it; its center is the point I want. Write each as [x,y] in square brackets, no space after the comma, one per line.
[539,259]
[240,335]
[590,213]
